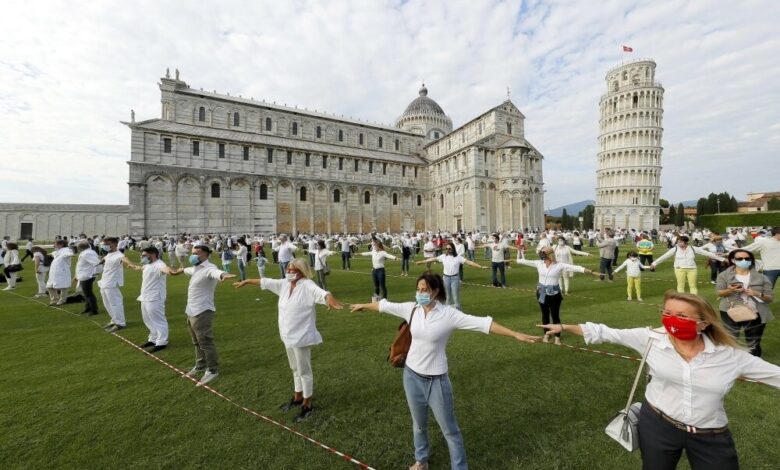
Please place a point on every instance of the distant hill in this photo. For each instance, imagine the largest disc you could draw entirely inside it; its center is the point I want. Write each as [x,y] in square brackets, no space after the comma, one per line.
[571,209]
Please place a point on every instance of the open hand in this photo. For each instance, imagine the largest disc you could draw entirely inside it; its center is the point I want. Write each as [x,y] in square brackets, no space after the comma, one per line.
[357,307]
[552,328]
[239,284]
[522,337]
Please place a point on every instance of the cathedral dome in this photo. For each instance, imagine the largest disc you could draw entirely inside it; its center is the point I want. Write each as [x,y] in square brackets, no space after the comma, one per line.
[423,105]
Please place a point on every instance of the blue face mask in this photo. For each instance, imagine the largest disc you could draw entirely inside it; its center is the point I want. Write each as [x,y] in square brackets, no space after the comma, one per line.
[194,260]
[105,247]
[423,298]
[744,264]
[145,260]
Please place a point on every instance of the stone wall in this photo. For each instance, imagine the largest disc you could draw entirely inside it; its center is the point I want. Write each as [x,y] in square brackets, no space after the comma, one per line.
[45,221]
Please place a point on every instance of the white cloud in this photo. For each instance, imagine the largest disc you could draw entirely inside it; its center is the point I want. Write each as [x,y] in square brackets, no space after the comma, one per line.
[70,72]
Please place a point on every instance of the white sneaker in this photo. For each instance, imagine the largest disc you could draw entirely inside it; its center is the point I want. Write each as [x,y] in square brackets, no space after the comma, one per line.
[193,372]
[9,288]
[639,299]
[629,299]
[208,377]
[557,341]
[545,339]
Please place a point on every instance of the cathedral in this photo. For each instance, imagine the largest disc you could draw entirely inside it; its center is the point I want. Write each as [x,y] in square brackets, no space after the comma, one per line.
[216,163]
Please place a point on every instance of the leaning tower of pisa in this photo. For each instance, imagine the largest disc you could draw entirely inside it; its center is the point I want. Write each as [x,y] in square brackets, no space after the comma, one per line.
[628,178]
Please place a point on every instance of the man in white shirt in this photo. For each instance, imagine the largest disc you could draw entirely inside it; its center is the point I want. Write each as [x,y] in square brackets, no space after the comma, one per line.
[346,253]
[152,297]
[28,248]
[769,248]
[200,311]
[85,275]
[286,253]
[112,279]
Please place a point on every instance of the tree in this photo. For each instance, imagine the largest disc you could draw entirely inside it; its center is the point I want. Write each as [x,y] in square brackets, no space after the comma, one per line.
[566,220]
[587,217]
[663,203]
[671,218]
[680,219]
[774,204]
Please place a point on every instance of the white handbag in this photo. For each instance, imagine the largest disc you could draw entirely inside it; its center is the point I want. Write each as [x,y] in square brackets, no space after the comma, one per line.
[624,428]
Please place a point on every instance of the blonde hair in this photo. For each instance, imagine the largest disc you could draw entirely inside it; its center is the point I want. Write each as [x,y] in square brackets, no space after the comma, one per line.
[715,329]
[550,253]
[301,266]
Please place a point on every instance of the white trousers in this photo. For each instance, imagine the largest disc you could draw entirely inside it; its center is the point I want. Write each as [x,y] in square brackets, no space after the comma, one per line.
[11,280]
[300,363]
[41,278]
[112,300]
[153,314]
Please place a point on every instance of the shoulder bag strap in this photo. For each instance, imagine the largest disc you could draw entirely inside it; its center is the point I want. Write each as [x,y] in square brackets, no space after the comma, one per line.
[639,372]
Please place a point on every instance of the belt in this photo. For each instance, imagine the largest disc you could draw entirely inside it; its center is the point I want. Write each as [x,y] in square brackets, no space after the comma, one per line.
[685,427]
[451,275]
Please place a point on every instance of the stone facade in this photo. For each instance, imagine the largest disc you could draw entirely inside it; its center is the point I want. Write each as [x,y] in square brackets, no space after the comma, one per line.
[46,221]
[629,159]
[216,164]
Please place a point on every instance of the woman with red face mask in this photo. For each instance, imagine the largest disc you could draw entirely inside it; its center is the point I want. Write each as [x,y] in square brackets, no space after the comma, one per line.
[693,362]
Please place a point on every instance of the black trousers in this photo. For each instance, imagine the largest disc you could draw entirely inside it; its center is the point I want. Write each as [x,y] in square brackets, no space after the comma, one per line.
[754,331]
[605,267]
[28,254]
[90,301]
[646,259]
[662,444]
[345,255]
[551,309]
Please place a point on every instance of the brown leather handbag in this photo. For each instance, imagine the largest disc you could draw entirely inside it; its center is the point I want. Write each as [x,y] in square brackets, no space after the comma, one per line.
[403,340]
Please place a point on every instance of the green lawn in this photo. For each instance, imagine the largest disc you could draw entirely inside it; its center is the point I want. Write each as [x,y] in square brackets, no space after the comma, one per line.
[74,396]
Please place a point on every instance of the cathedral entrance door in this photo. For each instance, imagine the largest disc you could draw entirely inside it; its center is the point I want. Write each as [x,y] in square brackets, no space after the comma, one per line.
[460,224]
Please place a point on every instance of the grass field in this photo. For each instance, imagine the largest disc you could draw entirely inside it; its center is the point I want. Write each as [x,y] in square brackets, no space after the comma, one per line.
[74,396]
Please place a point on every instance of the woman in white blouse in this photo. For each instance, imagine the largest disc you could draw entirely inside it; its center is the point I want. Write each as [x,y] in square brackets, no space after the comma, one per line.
[298,295]
[548,289]
[565,254]
[426,383]
[685,268]
[452,263]
[378,256]
[12,265]
[321,263]
[692,365]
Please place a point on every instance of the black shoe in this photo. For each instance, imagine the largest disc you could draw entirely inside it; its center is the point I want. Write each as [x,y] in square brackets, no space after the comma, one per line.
[147,344]
[92,314]
[159,348]
[85,311]
[292,404]
[306,411]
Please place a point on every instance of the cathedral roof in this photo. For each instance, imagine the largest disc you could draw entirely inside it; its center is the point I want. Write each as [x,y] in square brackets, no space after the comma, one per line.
[423,105]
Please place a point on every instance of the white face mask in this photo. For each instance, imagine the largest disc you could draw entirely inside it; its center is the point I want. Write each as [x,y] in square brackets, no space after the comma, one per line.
[291,276]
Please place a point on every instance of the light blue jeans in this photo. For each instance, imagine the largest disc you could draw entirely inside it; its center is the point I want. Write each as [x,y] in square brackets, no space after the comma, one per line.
[242,270]
[452,290]
[434,392]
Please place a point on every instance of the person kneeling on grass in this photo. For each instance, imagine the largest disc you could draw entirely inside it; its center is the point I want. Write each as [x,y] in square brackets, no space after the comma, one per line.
[426,382]
[298,295]
[633,268]
[692,365]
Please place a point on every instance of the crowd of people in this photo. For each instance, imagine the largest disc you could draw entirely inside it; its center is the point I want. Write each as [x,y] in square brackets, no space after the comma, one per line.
[695,358]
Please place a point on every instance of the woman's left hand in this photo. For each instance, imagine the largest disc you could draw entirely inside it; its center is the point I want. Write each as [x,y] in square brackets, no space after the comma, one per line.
[552,328]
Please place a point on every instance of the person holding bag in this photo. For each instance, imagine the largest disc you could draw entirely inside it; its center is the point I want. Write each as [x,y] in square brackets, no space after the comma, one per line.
[691,369]
[744,294]
[426,382]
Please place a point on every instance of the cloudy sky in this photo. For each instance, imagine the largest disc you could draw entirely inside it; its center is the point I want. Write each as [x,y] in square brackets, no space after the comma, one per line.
[70,71]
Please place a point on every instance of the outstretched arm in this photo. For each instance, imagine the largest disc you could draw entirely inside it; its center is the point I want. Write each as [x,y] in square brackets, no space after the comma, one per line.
[476,265]
[360,307]
[432,259]
[555,328]
[498,329]
[246,282]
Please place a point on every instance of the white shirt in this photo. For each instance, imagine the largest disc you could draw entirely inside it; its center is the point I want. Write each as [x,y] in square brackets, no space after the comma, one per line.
[40,257]
[345,245]
[430,333]
[549,275]
[286,252]
[686,258]
[769,247]
[59,272]
[11,258]
[633,267]
[470,243]
[451,264]
[200,292]
[378,258]
[497,252]
[297,315]
[320,259]
[85,266]
[153,282]
[429,249]
[241,253]
[460,249]
[690,392]
[113,274]
[563,253]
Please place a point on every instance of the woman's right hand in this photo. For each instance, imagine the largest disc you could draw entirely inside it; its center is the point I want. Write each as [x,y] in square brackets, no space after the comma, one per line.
[239,284]
[357,307]
[552,328]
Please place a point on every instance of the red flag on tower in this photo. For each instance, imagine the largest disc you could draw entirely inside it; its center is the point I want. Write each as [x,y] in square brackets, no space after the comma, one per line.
[628,49]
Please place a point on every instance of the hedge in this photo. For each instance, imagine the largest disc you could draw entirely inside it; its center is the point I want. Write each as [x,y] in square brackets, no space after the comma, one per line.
[719,222]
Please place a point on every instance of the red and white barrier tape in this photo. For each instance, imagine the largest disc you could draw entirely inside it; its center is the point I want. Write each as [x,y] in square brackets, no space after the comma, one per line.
[267,419]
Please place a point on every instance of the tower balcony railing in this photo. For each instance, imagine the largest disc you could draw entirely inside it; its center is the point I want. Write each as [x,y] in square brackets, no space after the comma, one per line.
[642,84]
